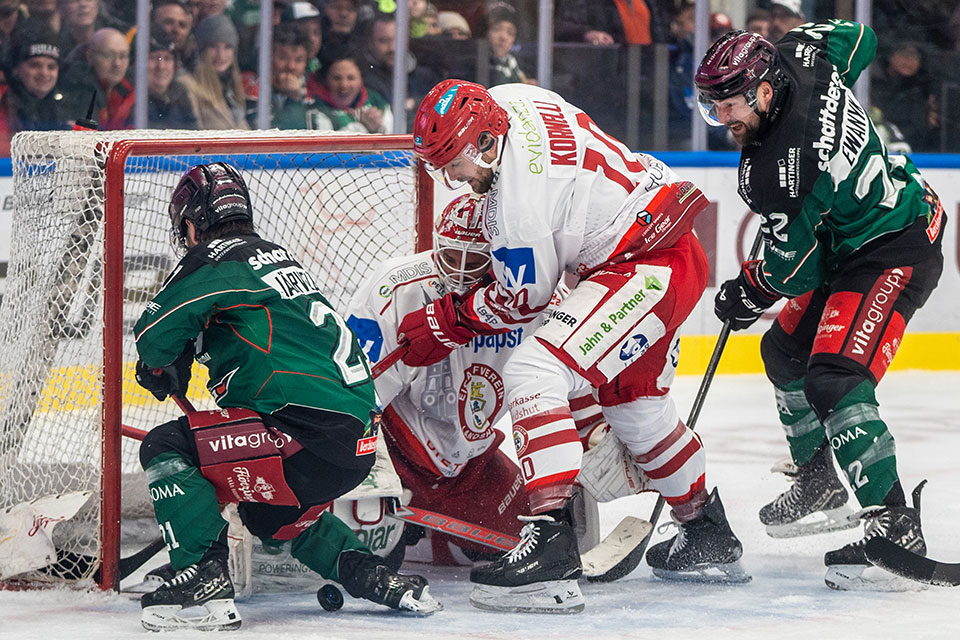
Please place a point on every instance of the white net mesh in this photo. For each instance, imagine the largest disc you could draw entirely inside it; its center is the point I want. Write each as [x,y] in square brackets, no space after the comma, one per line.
[338,212]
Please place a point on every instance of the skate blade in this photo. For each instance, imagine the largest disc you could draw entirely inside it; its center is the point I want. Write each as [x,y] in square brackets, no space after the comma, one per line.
[860,577]
[708,572]
[222,615]
[425,605]
[552,596]
[818,522]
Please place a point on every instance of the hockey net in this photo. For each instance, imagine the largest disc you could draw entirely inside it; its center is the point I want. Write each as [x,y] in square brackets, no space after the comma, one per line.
[90,247]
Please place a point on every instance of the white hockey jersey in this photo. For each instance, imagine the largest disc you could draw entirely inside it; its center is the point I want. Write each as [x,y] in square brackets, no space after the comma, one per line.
[565,198]
[452,406]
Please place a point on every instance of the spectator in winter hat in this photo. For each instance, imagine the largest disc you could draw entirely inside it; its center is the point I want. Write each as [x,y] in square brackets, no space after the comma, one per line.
[215,85]
[307,19]
[501,36]
[169,105]
[31,100]
[454,25]
[784,16]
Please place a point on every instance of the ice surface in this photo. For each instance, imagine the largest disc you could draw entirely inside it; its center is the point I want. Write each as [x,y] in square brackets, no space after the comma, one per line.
[786,599]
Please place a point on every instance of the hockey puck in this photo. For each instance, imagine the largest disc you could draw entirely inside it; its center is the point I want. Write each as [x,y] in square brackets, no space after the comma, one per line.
[329,597]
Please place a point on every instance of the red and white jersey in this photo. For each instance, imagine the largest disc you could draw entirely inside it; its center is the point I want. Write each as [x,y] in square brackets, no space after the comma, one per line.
[567,197]
[452,406]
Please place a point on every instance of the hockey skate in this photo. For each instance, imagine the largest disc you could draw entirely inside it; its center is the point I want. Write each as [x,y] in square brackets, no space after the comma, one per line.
[539,575]
[848,568]
[365,575]
[704,550]
[153,579]
[816,503]
[204,584]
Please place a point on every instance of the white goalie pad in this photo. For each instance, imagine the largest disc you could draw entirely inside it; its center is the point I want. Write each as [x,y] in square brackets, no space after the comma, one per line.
[608,471]
[26,531]
[259,568]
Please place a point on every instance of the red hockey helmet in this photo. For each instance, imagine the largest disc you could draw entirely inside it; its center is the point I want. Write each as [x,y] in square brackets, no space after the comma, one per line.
[451,118]
[206,195]
[735,64]
[461,253]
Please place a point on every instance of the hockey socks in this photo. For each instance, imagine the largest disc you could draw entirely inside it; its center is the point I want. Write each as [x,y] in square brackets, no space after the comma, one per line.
[320,545]
[804,432]
[186,508]
[863,446]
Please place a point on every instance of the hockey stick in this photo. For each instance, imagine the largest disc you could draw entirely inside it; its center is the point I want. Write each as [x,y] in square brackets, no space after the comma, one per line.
[453,526]
[701,395]
[391,358]
[907,564]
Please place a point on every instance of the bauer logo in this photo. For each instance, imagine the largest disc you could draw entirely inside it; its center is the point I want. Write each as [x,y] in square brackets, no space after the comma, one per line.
[443,104]
[634,347]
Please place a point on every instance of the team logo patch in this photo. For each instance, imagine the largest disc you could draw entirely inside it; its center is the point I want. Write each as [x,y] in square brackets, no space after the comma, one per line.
[367,446]
[443,104]
[385,291]
[520,440]
[634,347]
[480,397]
[368,335]
[519,267]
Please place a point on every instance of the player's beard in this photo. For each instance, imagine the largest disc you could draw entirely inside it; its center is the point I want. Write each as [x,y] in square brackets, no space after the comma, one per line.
[482,180]
[748,133]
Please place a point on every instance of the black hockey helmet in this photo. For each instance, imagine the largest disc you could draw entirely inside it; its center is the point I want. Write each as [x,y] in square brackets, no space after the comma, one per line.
[207,195]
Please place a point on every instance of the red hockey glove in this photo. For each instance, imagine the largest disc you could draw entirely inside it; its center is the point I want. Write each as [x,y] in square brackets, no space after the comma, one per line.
[744,299]
[432,332]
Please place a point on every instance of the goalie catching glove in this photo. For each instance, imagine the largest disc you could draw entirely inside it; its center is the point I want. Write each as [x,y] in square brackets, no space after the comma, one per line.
[169,380]
[433,332]
[742,300]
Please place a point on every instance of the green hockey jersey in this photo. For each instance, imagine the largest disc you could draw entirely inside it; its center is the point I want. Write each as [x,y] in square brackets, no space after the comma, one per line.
[821,178]
[268,337]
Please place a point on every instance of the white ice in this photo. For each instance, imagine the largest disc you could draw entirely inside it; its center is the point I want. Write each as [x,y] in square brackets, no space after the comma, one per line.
[786,599]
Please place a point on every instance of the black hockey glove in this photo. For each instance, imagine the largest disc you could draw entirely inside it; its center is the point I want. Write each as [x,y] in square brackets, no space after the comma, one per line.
[745,298]
[169,380]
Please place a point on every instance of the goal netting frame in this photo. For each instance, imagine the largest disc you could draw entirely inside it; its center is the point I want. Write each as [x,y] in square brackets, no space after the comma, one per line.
[41,309]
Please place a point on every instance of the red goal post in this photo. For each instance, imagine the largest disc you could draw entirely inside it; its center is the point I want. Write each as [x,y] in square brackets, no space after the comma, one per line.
[89,247]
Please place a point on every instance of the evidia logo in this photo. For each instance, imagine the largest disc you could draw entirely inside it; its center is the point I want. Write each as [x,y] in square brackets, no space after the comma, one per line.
[443,104]
[634,347]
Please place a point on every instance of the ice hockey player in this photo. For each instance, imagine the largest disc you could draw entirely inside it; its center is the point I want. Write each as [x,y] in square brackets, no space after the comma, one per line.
[852,238]
[439,420]
[296,428]
[563,196]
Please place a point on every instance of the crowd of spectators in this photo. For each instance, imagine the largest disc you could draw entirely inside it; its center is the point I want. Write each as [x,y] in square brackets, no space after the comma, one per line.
[332,61]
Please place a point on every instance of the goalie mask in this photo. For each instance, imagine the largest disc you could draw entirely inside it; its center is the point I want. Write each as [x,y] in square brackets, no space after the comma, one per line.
[449,123]
[460,252]
[207,195]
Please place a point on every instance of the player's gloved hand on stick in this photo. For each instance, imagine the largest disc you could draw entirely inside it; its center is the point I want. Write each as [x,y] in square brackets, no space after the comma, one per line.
[744,299]
[169,380]
[432,332]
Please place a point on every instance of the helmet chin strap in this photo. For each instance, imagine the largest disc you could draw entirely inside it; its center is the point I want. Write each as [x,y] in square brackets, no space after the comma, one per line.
[493,165]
